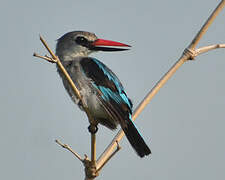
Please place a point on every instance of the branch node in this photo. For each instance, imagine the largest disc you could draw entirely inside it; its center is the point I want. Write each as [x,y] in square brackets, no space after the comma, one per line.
[46,57]
[190,53]
[90,168]
[118,147]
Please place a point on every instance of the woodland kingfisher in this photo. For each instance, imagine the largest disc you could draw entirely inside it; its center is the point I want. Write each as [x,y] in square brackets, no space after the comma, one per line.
[100,89]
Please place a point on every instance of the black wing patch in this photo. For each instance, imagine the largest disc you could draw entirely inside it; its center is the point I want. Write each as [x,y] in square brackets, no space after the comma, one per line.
[93,71]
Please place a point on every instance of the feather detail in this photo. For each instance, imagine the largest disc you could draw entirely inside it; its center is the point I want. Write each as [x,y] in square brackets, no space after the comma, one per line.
[115,102]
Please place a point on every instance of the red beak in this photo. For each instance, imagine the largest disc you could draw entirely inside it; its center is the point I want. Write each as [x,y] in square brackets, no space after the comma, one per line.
[103,42]
[97,45]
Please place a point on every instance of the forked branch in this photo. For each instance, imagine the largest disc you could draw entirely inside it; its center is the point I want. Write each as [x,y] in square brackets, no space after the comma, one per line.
[66,146]
[188,54]
[209,48]
[92,167]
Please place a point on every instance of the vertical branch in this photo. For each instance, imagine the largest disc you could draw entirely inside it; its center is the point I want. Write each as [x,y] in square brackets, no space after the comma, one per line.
[90,166]
[93,148]
[77,93]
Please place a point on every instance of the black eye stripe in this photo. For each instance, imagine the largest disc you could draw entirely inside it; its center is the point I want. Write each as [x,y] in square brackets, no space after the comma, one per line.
[81,40]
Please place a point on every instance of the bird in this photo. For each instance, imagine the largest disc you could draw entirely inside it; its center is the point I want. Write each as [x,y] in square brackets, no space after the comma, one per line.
[101,90]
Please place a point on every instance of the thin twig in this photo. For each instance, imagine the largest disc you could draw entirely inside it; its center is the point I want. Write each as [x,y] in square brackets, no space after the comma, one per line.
[49,50]
[49,59]
[208,48]
[66,146]
[117,149]
[75,89]
[187,55]
[205,27]
[90,169]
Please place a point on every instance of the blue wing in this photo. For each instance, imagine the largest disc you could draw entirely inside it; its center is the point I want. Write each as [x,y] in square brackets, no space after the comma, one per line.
[110,87]
[115,101]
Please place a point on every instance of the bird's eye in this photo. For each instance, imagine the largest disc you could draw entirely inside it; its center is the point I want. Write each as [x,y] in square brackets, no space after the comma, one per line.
[81,40]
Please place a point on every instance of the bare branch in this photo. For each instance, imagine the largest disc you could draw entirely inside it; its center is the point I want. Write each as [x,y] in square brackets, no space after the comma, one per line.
[49,59]
[49,50]
[205,27]
[108,151]
[90,166]
[209,48]
[55,59]
[93,148]
[66,146]
[117,149]
[187,55]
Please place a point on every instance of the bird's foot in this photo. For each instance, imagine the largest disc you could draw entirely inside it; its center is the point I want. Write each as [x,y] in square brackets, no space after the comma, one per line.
[93,129]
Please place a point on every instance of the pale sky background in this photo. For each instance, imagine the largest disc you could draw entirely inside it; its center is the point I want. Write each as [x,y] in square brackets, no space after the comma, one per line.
[183,125]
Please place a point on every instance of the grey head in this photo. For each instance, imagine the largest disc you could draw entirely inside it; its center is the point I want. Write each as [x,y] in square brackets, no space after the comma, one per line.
[82,43]
[74,44]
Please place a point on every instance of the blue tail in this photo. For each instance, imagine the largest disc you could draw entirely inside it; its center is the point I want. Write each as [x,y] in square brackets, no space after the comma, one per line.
[135,139]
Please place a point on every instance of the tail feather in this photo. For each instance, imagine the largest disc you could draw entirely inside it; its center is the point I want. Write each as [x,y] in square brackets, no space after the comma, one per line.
[135,139]
[122,114]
